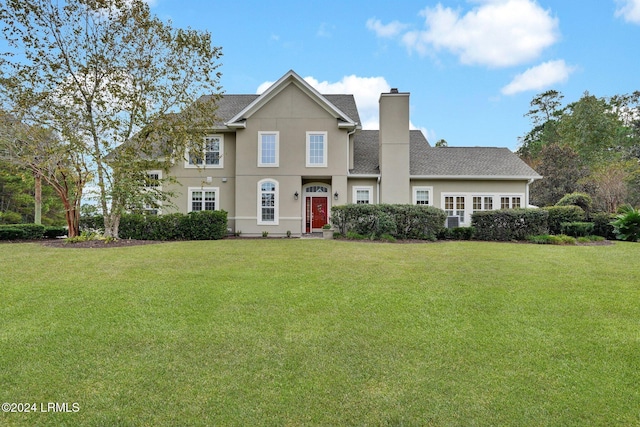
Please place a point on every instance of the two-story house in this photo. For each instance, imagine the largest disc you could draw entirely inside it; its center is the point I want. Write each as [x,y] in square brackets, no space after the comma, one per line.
[280,160]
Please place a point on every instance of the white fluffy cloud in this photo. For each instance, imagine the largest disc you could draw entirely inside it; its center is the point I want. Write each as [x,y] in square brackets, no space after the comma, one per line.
[539,77]
[495,33]
[391,29]
[629,10]
[366,91]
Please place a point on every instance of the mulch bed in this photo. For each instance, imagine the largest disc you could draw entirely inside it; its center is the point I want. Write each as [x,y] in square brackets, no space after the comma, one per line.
[89,244]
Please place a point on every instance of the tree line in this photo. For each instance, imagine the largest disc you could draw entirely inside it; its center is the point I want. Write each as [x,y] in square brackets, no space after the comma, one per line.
[591,145]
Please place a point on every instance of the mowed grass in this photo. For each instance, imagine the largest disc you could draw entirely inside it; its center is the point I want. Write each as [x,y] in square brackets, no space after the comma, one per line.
[314,332]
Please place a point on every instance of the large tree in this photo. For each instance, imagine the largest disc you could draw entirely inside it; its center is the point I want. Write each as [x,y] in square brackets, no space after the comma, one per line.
[102,73]
[62,164]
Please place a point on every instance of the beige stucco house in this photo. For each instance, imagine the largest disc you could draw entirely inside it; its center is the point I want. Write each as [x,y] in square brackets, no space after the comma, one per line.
[279,161]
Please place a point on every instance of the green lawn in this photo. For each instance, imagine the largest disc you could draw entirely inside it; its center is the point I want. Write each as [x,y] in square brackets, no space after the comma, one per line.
[315,332]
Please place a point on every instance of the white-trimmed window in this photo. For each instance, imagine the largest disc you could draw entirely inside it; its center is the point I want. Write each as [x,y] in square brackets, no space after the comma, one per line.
[510,202]
[362,195]
[268,202]
[211,156]
[482,203]
[316,149]
[203,199]
[153,179]
[268,149]
[455,206]
[422,195]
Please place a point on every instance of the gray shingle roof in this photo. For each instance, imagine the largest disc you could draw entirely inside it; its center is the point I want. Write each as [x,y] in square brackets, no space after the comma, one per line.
[468,162]
[230,105]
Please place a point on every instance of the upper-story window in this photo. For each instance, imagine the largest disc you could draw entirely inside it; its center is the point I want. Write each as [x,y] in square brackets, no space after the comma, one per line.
[268,149]
[211,156]
[316,149]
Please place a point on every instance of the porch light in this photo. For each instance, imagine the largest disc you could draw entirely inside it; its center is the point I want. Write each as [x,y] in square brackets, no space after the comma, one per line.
[335,195]
[295,195]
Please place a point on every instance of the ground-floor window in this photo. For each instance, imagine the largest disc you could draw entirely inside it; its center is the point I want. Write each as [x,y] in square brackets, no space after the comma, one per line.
[482,203]
[268,202]
[510,202]
[203,199]
[422,195]
[362,195]
[455,206]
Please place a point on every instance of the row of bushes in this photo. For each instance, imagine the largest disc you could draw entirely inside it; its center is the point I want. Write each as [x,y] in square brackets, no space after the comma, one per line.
[199,225]
[399,221]
[30,232]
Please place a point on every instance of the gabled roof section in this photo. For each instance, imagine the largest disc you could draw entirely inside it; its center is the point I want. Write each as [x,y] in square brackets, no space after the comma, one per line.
[238,120]
[468,163]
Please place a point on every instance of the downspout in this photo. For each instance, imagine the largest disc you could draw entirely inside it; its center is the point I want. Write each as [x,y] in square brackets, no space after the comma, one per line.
[527,192]
[355,128]
[378,189]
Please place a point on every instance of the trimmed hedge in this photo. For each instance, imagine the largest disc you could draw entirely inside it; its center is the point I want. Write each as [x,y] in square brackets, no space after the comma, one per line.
[198,225]
[11,233]
[509,224]
[52,232]
[29,231]
[560,214]
[577,229]
[400,221]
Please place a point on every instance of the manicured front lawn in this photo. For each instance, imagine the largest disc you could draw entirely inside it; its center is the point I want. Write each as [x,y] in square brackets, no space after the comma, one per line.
[314,332]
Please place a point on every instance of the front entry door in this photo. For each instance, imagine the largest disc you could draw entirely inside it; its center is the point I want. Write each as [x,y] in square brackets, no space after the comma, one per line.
[317,213]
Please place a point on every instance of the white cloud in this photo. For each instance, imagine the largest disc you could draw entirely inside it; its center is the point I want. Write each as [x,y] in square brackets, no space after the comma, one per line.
[496,33]
[365,90]
[539,77]
[391,29]
[325,30]
[629,10]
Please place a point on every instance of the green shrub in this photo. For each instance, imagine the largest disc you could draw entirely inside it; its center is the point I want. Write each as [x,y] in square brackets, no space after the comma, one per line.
[602,225]
[627,224]
[549,239]
[91,223]
[509,224]
[29,231]
[582,200]
[198,225]
[399,221]
[51,232]
[560,214]
[462,233]
[11,233]
[577,229]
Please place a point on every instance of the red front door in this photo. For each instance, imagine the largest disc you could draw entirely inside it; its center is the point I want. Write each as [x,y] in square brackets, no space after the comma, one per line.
[317,212]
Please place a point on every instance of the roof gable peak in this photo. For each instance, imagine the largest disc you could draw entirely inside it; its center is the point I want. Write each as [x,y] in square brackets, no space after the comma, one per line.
[291,77]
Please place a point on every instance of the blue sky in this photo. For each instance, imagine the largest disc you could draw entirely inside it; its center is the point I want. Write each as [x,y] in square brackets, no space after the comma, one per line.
[471,66]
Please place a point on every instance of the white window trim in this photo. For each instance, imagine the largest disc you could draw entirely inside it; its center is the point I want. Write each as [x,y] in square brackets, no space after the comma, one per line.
[203,189]
[276,210]
[422,188]
[510,196]
[277,160]
[187,165]
[354,198]
[324,154]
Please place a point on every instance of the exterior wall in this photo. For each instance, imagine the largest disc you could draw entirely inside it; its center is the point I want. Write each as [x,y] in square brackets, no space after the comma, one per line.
[291,113]
[222,178]
[468,189]
[394,148]
[371,183]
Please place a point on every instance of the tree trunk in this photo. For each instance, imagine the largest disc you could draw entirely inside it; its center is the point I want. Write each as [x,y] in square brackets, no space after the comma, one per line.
[112,224]
[38,199]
